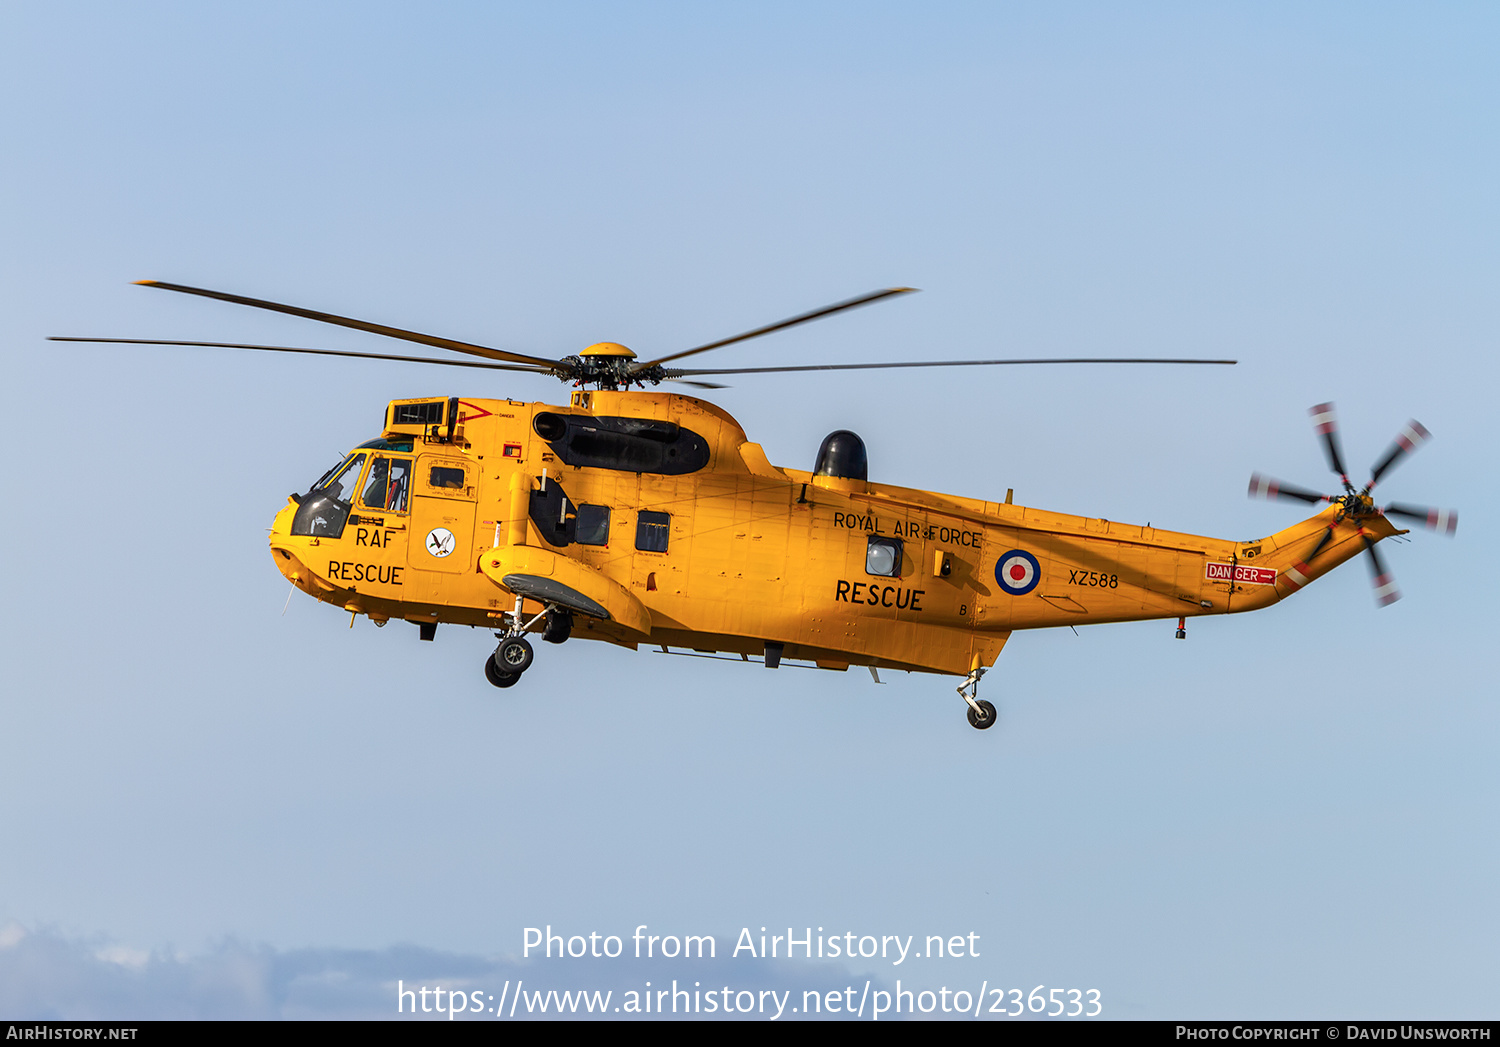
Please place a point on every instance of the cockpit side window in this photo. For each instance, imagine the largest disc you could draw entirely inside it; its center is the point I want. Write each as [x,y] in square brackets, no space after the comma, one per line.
[386,486]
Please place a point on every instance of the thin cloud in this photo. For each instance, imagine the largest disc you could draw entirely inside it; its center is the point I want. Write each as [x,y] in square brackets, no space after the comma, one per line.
[46,975]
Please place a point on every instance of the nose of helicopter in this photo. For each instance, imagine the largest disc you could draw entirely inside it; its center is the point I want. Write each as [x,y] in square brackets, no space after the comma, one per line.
[282,554]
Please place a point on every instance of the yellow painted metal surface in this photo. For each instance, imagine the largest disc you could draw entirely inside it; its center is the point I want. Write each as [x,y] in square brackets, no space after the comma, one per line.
[622,607]
[607,349]
[739,553]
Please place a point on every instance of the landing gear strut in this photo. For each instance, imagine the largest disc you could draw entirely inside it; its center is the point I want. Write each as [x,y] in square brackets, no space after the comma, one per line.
[982,715]
[514,654]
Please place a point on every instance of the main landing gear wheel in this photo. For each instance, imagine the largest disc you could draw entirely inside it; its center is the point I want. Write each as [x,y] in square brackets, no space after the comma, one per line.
[559,626]
[513,656]
[493,674]
[985,722]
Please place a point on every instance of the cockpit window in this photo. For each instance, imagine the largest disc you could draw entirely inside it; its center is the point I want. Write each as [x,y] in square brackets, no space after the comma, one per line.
[340,480]
[381,444]
[386,486]
[324,510]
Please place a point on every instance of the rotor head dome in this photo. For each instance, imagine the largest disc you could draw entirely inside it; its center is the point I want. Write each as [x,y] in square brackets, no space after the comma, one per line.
[608,349]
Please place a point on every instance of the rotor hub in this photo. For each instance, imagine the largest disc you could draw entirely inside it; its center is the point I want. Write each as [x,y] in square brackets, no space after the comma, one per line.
[1357,504]
[607,365]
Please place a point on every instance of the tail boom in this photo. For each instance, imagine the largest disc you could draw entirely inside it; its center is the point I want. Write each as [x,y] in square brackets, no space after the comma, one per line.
[1304,552]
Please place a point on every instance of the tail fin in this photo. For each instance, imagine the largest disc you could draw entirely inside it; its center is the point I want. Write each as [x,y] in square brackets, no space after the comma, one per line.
[1306,551]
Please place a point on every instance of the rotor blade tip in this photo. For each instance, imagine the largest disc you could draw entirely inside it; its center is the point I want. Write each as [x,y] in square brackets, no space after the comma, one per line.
[147,283]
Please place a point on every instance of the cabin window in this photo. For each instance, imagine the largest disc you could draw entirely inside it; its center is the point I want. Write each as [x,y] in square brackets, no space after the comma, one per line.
[385,487]
[651,530]
[446,477]
[591,526]
[883,557]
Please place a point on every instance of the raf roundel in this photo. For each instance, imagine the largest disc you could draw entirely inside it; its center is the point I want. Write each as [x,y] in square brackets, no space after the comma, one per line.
[1018,572]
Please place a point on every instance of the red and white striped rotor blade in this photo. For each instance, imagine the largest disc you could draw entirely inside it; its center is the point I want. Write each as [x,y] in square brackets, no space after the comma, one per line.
[1386,592]
[1327,425]
[1443,520]
[1412,435]
[1262,486]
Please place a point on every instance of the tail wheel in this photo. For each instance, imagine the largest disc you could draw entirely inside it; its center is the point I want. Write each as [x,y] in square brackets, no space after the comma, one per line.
[985,722]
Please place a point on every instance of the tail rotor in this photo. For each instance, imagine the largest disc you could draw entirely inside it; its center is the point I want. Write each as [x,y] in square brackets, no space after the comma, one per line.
[1356,504]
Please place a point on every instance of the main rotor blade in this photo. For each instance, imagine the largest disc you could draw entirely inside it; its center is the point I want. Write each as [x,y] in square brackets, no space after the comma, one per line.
[1386,592]
[1412,436]
[817,314]
[317,352]
[1327,425]
[1445,520]
[363,325]
[1266,487]
[674,372]
[699,385]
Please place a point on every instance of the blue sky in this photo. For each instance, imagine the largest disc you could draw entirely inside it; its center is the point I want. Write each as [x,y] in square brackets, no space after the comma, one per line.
[1290,814]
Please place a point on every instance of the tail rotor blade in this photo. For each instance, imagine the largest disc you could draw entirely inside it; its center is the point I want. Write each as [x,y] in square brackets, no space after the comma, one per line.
[1386,592]
[1327,535]
[1298,574]
[1327,424]
[1444,520]
[1412,436]
[1268,487]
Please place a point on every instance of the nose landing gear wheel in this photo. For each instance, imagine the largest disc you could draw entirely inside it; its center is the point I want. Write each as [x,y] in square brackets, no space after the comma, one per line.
[987,721]
[513,656]
[493,674]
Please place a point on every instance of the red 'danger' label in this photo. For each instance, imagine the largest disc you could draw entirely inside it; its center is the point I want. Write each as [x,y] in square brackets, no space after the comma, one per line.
[1228,572]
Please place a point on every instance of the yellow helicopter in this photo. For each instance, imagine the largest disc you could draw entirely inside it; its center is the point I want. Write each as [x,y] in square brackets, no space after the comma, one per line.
[642,517]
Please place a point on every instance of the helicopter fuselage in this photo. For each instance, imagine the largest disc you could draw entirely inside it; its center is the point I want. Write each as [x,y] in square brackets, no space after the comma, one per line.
[652,519]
